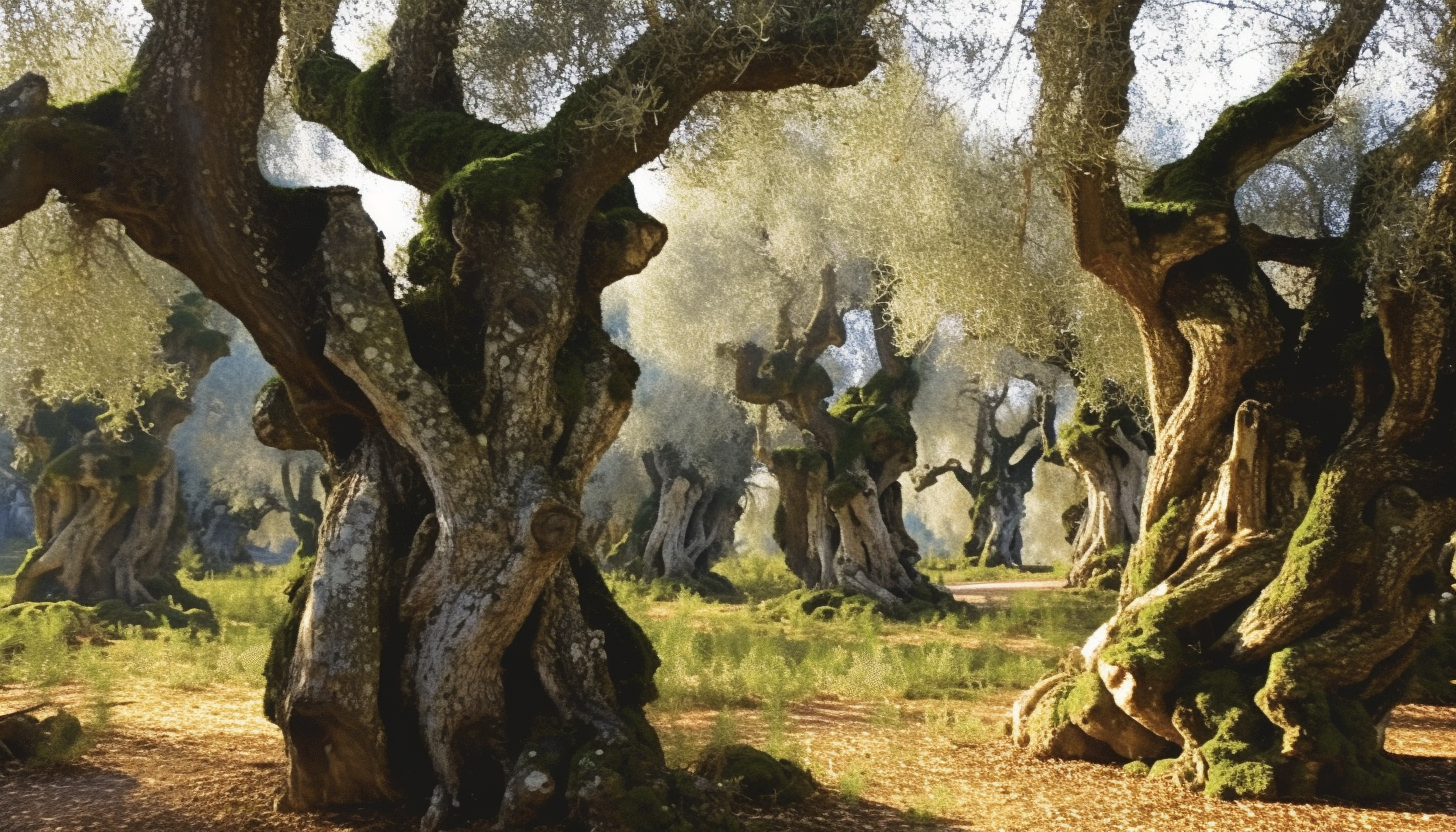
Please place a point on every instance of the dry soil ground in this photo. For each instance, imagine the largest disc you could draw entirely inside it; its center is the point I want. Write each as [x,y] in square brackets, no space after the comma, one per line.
[171,761]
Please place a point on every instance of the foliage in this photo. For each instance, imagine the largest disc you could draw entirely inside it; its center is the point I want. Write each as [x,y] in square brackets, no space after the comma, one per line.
[82,313]
[885,174]
[82,47]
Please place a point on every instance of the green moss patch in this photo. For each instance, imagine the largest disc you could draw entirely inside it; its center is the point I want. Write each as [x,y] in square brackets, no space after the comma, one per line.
[756,775]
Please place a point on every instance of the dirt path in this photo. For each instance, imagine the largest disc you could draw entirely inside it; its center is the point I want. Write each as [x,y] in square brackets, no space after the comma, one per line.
[173,761]
[998,590]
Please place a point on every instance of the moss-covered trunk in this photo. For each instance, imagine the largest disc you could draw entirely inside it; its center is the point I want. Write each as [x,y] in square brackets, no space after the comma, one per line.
[521,696]
[840,516]
[804,528]
[108,512]
[1292,551]
[1295,517]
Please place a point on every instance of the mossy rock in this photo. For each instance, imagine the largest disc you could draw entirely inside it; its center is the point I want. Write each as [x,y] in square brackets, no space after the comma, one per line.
[758,776]
[29,741]
[821,604]
[1137,768]
[623,788]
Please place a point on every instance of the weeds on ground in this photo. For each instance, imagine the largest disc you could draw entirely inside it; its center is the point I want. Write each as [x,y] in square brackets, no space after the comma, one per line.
[759,576]
[55,648]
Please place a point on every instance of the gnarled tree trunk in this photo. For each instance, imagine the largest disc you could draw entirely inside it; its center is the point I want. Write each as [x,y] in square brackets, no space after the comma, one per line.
[305,512]
[998,478]
[842,493]
[804,528]
[1295,516]
[220,532]
[107,509]
[1111,458]
[450,643]
[691,527]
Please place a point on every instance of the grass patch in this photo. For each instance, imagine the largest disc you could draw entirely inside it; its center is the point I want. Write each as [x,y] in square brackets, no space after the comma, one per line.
[41,652]
[960,570]
[722,655]
[759,576]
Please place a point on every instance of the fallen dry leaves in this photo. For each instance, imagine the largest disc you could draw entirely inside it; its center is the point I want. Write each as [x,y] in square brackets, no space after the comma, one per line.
[173,761]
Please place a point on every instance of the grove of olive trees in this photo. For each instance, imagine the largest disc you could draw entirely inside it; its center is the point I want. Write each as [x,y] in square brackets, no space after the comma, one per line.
[1239,345]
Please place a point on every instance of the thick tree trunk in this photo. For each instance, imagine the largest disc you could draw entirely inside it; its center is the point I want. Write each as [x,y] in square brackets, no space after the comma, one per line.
[844,499]
[804,527]
[868,560]
[1295,515]
[694,523]
[1002,511]
[524,695]
[1113,468]
[108,512]
[483,667]
[305,512]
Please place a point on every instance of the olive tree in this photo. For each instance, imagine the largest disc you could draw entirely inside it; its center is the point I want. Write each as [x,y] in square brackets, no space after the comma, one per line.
[998,474]
[695,447]
[450,642]
[1295,515]
[107,503]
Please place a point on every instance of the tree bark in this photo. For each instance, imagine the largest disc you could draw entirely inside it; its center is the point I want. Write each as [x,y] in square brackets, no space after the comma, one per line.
[804,528]
[1111,458]
[998,485]
[220,532]
[686,526]
[1296,511]
[108,512]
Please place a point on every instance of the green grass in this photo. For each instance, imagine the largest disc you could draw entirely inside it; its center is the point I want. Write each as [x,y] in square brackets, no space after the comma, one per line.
[715,656]
[718,655]
[46,651]
[958,570]
[759,576]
